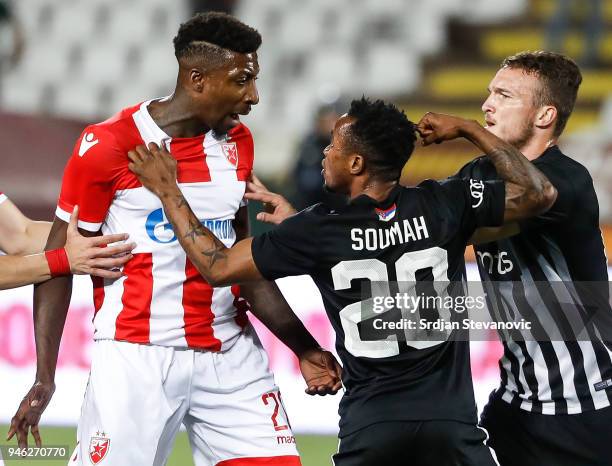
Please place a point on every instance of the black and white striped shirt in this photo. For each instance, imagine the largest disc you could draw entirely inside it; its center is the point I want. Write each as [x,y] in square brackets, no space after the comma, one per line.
[554,274]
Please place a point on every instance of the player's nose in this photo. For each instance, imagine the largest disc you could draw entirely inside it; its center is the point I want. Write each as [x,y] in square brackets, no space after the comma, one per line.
[252,95]
[487,106]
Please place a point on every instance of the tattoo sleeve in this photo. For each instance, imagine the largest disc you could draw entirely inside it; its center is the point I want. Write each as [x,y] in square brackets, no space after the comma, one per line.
[528,191]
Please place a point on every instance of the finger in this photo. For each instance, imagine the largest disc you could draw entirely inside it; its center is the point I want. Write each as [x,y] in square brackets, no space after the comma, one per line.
[74,220]
[121,250]
[36,435]
[133,156]
[11,432]
[109,263]
[257,182]
[311,391]
[110,274]
[267,218]
[143,153]
[253,188]
[337,387]
[22,435]
[108,239]
[153,148]
[262,197]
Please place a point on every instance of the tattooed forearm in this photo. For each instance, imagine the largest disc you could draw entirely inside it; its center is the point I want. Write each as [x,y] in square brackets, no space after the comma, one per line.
[194,230]
[214,254]
[528,191]
[181,201]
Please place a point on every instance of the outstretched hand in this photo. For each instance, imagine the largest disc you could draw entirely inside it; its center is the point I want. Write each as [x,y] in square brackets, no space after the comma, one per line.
[321,371]
[276,207]
[90,255]
[437,128]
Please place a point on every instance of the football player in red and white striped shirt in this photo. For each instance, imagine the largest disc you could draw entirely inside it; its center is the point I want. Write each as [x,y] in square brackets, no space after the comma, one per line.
[23,240]
[169,348]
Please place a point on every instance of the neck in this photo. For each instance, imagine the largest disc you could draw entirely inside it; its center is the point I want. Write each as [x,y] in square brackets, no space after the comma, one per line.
[377,190]
[537,146]
[176,117]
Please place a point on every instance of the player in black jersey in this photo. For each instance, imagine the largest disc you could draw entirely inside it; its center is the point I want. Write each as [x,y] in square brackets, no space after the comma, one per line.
[406,402]
[553,405]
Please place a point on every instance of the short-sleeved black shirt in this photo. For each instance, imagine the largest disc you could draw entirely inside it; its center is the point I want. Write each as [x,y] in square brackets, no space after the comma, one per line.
[415,234]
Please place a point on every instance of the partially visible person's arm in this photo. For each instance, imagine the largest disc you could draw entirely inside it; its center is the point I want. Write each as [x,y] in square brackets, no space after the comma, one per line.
[528,190]
[18,234]
[80,255]
[270,306]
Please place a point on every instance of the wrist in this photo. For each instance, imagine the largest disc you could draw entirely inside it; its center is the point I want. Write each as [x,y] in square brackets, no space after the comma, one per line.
[58,262]
[168,191]
[469,128]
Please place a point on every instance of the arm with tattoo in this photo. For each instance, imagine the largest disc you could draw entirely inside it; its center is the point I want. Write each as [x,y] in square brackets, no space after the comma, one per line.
[528,191]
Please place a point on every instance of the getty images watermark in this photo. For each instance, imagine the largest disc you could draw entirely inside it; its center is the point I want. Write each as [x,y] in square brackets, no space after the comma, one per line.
[425,310]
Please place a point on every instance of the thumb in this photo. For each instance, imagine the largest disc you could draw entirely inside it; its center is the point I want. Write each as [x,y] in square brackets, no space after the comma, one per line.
[74,221]
[263,217]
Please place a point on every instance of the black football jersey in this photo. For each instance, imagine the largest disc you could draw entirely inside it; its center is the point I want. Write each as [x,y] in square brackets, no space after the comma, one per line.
[554,274]
[417,235]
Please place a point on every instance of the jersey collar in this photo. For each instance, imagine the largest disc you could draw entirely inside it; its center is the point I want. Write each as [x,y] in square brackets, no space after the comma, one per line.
[365,200]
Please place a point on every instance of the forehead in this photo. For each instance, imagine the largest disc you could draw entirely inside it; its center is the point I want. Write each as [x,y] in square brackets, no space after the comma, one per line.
[342,125]
[515,80]
[242,62]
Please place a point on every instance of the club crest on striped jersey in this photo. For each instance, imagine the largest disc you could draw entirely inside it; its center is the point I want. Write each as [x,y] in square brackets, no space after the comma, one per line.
[230,150]
[384,215]
[98,447]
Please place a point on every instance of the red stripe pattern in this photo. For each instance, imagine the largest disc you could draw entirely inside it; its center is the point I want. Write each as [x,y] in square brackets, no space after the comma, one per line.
[133,321]
[198,317]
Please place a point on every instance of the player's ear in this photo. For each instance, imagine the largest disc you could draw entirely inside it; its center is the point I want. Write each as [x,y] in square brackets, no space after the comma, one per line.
[356,164]
[546,116]
[196,79]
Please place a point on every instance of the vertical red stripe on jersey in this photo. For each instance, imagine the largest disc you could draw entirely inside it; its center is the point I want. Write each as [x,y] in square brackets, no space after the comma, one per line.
[244,143]
[98,293]
[133,321]
[242,306]
[198,317]
[192,166]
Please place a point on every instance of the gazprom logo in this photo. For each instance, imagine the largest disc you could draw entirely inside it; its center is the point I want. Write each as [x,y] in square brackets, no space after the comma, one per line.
[160,230]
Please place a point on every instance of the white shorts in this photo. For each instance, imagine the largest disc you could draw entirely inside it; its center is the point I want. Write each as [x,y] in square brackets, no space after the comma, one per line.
[138,396]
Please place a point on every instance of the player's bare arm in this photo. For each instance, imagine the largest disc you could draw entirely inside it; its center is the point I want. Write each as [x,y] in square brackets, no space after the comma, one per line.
[51,301]
[18,234]
[320,369]
[528,191]
[82,256]
[220,266]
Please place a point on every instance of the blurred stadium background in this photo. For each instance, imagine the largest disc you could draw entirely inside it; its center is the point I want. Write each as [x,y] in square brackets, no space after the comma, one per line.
[66,63]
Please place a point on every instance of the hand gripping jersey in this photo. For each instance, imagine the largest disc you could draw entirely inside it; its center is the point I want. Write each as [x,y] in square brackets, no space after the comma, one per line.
[417,235]
[161,299]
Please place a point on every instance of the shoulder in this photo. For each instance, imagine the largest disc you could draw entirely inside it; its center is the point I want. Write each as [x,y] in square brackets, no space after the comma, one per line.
[106,143]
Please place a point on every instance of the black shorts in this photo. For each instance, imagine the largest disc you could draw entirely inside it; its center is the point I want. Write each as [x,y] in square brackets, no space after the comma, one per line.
[521,438]
[415,443]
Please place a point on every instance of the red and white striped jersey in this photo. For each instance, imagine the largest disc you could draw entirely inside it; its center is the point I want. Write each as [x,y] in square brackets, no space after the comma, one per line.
[161,299]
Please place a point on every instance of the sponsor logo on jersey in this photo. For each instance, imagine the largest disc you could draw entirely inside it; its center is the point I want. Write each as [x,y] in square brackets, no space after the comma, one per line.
[160,230]
[386,214]
[477,192]
[88,141]
[230,150]
[98,447]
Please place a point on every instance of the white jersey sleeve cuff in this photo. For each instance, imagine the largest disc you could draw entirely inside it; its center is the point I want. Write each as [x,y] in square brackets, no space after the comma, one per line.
[3,198]
[65,216]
